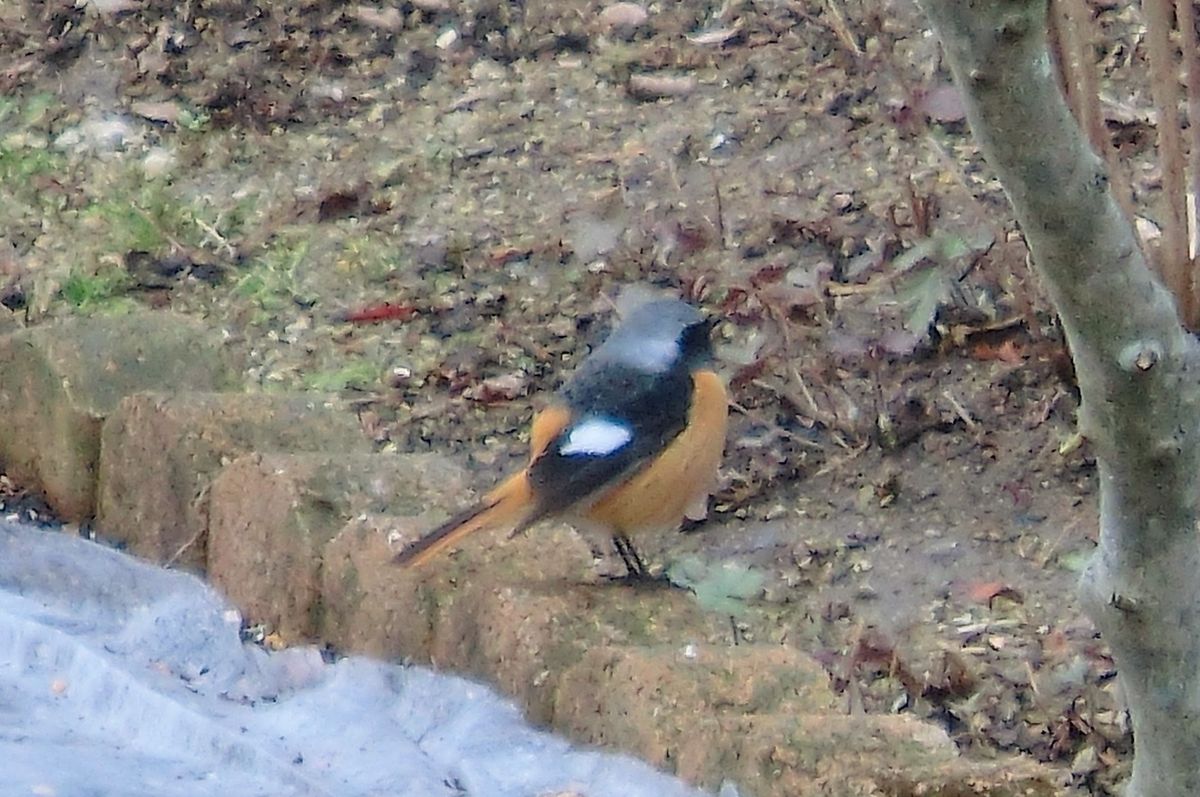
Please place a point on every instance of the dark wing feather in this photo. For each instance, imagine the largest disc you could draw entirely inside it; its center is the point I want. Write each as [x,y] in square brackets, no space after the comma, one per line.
[653,406]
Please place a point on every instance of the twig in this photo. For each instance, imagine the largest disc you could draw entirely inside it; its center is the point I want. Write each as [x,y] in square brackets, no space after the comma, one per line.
[742,410]
[1079,41]
[827,419]
[852,453]
[725,244]
[211,231]
[808,396]
[960,410]
[1190,44]
[1165,89]
[838,23]
[182,549]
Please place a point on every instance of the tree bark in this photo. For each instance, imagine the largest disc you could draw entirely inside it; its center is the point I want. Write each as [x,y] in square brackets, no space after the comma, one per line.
[1137,369]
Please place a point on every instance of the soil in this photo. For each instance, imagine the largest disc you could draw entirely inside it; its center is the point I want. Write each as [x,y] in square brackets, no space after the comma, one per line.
[432,208]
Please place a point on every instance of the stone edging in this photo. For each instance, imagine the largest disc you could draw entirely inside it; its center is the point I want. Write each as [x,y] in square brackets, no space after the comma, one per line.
[137,423]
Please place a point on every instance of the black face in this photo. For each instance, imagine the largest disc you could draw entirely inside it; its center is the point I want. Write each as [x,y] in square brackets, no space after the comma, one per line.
[695,342]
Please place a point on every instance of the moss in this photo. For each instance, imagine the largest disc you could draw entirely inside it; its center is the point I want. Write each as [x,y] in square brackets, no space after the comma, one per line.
[97,290]
[371,257]
[270,282]
[362,375]
[19,163]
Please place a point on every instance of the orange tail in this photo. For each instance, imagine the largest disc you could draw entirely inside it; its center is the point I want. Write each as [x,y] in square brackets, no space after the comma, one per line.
[506,504]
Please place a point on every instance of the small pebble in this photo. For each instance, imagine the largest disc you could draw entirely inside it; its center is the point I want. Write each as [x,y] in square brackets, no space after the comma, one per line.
[622,19]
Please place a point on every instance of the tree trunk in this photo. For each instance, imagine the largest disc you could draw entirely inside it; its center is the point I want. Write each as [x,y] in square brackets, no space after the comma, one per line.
[1137,372]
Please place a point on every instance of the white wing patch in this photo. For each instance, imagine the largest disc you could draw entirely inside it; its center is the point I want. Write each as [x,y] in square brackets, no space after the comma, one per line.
[596,437]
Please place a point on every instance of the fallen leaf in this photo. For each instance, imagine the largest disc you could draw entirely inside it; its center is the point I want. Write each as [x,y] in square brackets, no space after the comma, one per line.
[157,111]
[375,313]
[714,37]
[923,293]
[718,586]
[772,272]
[492,390]
[985,592]
[504,254]
[1007,351]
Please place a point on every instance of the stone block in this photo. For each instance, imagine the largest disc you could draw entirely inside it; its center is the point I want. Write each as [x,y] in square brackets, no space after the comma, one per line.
[58,382]
[159,453]
[369,605]
[765,717]
[523,635]
[840,755]
[372,605]
[272,515]
[665,703]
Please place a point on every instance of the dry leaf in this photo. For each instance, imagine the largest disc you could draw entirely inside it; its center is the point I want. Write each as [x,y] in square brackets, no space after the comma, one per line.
[985,592]
[156,111]
[388,19]
[714,37]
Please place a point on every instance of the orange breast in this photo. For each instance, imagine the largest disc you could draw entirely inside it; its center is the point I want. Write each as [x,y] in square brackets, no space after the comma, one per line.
[658,495]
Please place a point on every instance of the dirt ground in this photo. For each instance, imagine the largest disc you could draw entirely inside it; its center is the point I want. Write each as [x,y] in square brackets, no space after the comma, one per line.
[430,207]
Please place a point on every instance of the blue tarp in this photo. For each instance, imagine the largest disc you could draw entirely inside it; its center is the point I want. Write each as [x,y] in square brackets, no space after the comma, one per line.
[118,679]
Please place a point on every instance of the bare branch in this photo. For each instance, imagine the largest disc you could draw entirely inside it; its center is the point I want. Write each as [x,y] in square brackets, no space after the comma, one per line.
[1189,43]
[1078,62]
[1164,85]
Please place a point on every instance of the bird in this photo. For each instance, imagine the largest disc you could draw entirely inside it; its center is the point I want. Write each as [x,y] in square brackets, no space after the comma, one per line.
[630,444]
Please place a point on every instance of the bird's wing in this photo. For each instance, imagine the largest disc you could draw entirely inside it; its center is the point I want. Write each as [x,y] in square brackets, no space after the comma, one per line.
[617,424]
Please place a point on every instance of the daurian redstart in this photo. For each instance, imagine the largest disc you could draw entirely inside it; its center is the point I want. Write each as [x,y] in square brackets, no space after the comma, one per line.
[630,444]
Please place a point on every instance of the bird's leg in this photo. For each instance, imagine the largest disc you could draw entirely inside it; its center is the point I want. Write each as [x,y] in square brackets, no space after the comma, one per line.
[637,574]
[635,568]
